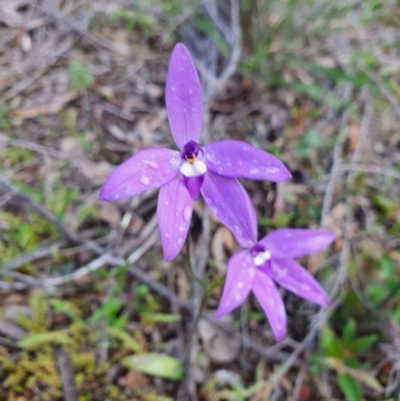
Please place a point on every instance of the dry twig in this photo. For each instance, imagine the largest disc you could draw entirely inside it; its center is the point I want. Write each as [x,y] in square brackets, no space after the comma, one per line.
[341,275]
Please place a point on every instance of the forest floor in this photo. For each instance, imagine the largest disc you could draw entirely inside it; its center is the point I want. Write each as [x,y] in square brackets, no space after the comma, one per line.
[89,309]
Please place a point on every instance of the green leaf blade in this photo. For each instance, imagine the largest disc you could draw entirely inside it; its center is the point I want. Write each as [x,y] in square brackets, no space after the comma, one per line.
[156,364]
[350,387]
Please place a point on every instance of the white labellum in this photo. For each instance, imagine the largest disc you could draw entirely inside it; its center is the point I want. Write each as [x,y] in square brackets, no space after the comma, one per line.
[261,258]
[193,170]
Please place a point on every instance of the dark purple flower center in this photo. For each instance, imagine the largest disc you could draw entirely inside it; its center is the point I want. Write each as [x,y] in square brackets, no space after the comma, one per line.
[191,151]
[193,168]
[257,248]
[261,256]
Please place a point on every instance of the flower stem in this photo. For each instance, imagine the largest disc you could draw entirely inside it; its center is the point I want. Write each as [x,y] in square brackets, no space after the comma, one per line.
[189,264]
[199,299]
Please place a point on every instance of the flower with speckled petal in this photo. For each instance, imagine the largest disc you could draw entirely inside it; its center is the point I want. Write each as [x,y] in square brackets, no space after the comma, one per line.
[211,170]
[271,259]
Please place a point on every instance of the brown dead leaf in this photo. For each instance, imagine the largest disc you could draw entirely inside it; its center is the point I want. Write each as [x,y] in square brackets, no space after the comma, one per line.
[220,346]
[305,393]
[134,379]
[146,126]
[144,131]
[291,158]
[287,96]
[222,239]
[49,170]
[122,49]
[117,132]
[263,393]
[373,248]
[50,108]
[285,190]
[315,261]
[326,61]
[71,146]
[335,219]
[94,172]
[182,284]
[154,91]
[35,23]
[300,121]
[287,384]
[136,226]
[334,222]
[354,133]
[109,212]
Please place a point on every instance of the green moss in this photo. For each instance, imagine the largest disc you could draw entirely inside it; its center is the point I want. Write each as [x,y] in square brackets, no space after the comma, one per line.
[23,233]
[34,369]
[29,371]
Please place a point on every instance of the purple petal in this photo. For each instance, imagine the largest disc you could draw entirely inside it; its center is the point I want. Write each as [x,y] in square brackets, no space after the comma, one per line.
[289,243]
[238,282]
[183,97]
[193,185]
[290,275]
[149,168]
[174,212]
[239,159]
[271,302]
[232,205]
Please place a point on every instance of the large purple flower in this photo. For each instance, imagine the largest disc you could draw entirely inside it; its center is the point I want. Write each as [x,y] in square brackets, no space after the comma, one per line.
[211,170]
[271,259]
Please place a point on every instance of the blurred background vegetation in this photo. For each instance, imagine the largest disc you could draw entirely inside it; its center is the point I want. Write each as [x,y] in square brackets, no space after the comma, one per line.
[89,311]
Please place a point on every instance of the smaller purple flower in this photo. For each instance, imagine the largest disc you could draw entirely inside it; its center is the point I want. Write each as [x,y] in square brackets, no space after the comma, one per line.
[211,170]
[271,259]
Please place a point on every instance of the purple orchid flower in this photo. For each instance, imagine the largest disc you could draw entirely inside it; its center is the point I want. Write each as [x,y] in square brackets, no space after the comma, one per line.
[269,260]
[211,170]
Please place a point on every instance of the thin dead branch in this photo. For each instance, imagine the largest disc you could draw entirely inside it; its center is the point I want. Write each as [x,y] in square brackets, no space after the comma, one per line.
[64,365]
[341,274]
[212,81]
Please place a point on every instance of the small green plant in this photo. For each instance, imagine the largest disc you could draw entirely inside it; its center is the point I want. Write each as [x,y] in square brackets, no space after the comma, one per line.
[80,76]
[386,288]
[308,142]
[15,155]
[5,121]
[134,21]
[279,221]
[344,355]
[111,312]
[23,233]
